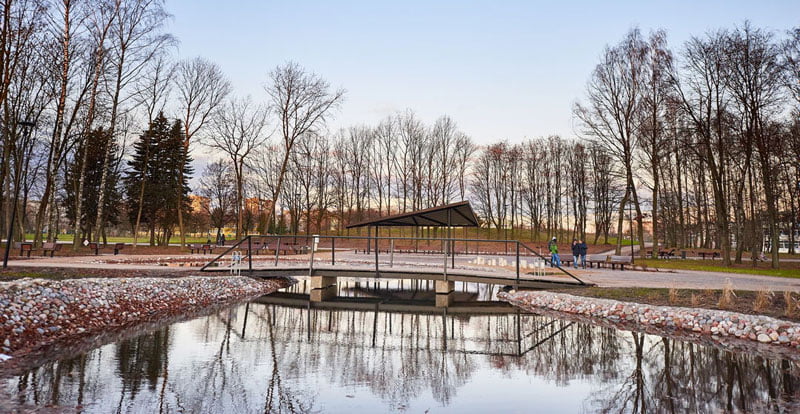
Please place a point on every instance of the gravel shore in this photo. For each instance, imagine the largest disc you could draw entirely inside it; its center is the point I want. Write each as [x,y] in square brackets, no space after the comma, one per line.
[730,330]
[37,313]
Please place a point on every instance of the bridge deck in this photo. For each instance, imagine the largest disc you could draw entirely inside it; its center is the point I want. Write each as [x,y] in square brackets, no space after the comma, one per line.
[414,273]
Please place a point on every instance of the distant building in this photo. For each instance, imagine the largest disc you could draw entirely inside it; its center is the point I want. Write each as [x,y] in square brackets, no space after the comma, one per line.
[199,204]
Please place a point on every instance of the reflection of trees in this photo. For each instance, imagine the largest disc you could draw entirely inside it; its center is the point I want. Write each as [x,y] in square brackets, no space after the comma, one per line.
[289,357]
[142,359]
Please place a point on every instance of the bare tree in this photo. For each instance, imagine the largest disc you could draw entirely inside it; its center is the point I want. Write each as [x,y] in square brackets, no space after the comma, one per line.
[756,80]
[614,99]
[302,102]
[135,38]
[704,98]
[202,87]
[216,184]
[652,140]
[239,131]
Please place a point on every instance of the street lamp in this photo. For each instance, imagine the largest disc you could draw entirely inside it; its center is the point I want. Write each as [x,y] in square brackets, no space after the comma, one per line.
[631,189]
[28,127]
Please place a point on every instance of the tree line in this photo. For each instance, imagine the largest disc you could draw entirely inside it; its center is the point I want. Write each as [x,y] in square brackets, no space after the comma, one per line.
[101,121]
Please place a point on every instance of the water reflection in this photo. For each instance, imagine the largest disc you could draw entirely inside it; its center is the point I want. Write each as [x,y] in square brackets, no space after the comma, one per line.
[270,358]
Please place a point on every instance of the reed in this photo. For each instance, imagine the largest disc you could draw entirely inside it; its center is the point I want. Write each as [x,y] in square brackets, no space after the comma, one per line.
[726,299]
[791,304]
[763,300]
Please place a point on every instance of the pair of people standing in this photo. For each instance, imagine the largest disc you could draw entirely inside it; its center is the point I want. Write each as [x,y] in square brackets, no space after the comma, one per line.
[579,249]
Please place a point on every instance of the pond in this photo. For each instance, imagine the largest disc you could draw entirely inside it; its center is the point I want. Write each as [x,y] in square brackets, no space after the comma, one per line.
[271,357]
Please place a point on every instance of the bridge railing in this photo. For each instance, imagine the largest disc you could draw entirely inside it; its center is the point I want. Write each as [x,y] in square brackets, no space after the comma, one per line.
[445,248]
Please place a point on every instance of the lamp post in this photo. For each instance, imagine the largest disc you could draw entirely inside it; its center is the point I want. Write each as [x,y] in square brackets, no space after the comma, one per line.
[28,127]
[631,189]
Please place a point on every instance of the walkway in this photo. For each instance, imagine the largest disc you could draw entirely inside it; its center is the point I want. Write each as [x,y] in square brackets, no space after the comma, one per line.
[602,277]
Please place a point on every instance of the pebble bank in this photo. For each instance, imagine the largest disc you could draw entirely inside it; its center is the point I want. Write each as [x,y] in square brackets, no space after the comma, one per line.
[36,312]
[716,325]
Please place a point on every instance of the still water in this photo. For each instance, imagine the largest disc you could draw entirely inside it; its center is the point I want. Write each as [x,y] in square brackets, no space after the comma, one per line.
[268,357]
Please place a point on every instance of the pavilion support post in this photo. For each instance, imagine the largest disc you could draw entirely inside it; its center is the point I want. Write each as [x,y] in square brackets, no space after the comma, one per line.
[377,270]
[277,251]
[391,252]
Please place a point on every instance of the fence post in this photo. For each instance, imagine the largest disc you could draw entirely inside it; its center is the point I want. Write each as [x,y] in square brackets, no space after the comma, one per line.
[453,254]
[250,255]
[277,251]
[377,270]
[517,264]
[391,253]
[444,250]
[311,261]
[333,251]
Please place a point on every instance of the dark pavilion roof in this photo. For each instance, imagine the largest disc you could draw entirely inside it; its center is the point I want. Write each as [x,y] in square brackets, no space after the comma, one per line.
[460,215]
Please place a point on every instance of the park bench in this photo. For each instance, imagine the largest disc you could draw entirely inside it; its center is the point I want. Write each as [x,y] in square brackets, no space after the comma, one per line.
[596,259]
[50,247]
[704,254]
[24,247]
[201,247]
[662,254]
[118,247]
[292,247]
[621,261]
[96,247]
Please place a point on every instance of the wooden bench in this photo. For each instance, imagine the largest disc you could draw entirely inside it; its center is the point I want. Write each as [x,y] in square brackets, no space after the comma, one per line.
[24,247]
[51,247]
[621,261]
[118,247]
[596,259]
[662,254]
[200,247]
[96,247]
[703,254]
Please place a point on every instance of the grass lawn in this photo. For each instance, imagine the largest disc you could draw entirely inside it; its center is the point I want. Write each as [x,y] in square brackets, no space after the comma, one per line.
[788,269]
[770,303]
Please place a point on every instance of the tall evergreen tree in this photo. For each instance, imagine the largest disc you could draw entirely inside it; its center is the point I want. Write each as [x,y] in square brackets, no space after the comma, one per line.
[159,171]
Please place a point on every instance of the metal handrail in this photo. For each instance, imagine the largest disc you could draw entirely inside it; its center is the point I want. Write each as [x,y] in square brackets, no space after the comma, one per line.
[447,249]
[546,260]
[249,253]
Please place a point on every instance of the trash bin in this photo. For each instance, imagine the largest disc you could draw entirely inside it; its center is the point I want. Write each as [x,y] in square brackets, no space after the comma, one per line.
[683,254]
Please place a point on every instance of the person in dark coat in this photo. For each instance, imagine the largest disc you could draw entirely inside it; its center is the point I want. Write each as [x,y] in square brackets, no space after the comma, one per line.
[575,253]
[582,249]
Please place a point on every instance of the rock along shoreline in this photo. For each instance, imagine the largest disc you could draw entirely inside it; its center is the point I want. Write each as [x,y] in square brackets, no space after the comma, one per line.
[730,330]
[36,314]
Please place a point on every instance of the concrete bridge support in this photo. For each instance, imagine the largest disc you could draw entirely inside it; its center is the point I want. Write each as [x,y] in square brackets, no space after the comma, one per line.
[322,288]
[444,293]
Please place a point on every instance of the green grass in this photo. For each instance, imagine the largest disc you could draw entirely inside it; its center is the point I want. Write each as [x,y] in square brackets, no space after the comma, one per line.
[129,239]
[790,269]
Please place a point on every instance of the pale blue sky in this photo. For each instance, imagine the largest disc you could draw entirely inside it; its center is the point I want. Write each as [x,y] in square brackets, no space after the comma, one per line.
[501,70]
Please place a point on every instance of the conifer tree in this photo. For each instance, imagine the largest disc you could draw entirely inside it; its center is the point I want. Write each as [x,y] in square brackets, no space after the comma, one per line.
[158,172]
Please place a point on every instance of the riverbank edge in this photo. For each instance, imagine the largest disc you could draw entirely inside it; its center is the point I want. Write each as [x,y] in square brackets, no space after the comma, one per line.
[80,314]
[733,331]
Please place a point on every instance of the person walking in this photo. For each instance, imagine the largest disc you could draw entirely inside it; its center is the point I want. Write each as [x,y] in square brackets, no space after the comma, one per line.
[555,260]
[582,249]
[576,253]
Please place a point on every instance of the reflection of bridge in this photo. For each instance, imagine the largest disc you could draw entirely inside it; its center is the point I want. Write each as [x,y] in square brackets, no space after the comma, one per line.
[301,300]
[521,340]
[441,260]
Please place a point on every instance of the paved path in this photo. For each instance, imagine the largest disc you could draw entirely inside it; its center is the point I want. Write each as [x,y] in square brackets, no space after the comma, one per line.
[601,277]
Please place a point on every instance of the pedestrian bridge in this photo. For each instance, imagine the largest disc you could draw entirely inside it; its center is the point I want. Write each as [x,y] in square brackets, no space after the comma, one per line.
[441,261]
